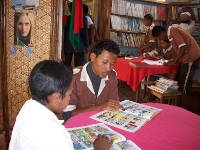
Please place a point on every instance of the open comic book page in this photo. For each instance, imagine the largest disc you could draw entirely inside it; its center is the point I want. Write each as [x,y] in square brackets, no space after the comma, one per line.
[125,145]
[140,110]
[83,137]
[120,119]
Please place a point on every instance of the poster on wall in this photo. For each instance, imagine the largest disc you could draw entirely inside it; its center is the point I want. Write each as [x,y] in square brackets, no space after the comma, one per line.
[25,4]
[23,27]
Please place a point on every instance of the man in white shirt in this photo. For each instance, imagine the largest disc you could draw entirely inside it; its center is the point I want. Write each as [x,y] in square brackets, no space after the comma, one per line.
[36,126]
[91,31]
[90,23]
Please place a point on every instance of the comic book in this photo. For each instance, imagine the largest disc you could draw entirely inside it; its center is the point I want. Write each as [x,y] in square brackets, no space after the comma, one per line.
[130,118]
[140,110]
[83,137]
[125,145]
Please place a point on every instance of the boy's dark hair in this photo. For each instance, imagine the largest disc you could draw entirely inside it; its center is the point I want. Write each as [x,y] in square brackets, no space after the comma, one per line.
[149,17]
[48,77]
[105,44]
[85,9]
[157,30]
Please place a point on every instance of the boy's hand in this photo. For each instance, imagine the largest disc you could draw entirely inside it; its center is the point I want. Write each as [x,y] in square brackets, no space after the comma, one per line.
[102,142]
[110,105]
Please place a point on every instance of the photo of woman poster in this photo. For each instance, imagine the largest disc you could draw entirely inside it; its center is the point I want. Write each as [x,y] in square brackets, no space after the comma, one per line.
[23,27]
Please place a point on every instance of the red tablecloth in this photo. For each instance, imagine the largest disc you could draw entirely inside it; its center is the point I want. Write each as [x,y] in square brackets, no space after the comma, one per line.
[173,128]
[134,75]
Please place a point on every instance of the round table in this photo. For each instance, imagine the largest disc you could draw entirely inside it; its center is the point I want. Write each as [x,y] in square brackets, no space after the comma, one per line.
[174,128]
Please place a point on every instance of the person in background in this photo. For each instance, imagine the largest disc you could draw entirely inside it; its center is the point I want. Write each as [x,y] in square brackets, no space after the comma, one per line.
[187,53]
[91,30]
[186,22]
[95,83]
[23,28]
[149,43]
[79,52]
[36,126]
[90,25]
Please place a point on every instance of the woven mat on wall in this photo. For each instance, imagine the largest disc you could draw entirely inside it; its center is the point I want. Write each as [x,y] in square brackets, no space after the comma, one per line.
[20,64]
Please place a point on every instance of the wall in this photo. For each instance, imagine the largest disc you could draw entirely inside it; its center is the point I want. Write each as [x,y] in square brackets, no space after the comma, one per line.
[20,65]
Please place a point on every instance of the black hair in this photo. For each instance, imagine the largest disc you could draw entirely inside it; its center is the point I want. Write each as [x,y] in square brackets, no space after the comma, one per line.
[70,6]
[167,40]
[85,9]
[48,77]
[105,44]
[157,30]
[149,17]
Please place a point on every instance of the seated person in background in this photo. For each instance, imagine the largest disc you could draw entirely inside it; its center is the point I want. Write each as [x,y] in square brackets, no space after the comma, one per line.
[36,126]
[149,43]
[95,83]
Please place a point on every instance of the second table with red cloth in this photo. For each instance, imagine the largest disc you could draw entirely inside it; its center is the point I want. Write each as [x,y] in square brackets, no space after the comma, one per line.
[134,75]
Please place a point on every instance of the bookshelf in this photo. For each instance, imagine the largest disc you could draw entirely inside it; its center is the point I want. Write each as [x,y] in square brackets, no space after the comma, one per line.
[126,21]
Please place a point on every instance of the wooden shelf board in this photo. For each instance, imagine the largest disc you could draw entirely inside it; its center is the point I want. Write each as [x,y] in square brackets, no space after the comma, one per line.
[127,16]
[155,1]
[127,46]
[179,3]
[124,31]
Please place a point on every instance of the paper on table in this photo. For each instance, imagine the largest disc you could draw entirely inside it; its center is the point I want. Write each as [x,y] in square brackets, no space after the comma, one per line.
[125,145]
[69,108]
[155,62]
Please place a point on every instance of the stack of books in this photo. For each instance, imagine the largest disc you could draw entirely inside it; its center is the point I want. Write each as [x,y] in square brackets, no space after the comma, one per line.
[164,85]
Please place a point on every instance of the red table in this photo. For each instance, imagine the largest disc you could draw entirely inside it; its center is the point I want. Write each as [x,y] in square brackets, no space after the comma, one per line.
[174,128]
[134,75]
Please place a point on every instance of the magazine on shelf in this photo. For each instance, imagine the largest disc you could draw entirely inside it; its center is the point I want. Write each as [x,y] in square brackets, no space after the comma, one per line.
[132,117]
[83,137]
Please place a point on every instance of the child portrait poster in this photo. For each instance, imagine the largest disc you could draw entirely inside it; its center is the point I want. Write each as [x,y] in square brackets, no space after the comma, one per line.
[23,29]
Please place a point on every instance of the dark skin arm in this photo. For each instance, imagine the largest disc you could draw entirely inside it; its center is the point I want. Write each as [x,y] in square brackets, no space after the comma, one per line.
[110,105]
[102,142]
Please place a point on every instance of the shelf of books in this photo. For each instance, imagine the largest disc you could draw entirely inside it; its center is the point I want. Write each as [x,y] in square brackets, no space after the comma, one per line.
[127,28]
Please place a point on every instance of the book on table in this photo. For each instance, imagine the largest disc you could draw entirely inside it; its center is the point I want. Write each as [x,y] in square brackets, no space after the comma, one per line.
[132,117]
[83,137]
